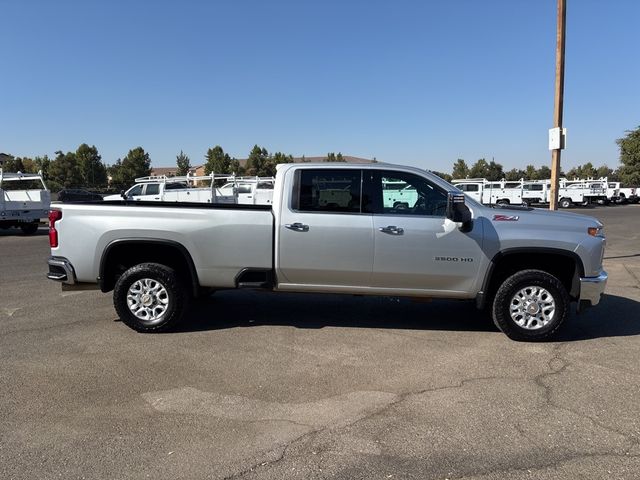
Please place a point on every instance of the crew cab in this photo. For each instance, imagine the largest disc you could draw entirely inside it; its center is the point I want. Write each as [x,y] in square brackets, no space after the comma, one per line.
[332,229]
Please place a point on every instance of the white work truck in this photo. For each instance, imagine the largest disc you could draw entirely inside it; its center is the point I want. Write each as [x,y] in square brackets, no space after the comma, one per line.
[24,200]
[333,229]
[501,192]
[218,189]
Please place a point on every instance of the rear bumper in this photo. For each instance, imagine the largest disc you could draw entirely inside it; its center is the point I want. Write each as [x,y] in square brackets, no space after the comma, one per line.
[61,270]
[591,289]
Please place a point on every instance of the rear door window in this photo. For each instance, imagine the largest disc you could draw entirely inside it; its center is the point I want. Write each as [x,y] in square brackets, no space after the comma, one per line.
[327,190]
[152,189]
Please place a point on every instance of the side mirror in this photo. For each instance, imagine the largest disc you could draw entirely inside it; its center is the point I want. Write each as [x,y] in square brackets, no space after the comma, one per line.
[458,212]
[122,194]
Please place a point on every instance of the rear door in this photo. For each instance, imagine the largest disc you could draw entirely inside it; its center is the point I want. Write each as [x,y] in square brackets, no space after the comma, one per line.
[151,193]
[417,249]
[324,236]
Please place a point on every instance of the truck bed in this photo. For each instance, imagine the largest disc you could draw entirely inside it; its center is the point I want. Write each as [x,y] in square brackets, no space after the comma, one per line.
[222,239]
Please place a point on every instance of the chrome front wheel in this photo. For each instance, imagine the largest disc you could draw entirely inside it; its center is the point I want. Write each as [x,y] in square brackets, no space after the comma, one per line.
[532,307]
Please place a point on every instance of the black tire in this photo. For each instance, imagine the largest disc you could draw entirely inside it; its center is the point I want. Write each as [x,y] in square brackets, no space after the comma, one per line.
[518,284]
[167,304]
[503,202]
[29,228]
[565,203]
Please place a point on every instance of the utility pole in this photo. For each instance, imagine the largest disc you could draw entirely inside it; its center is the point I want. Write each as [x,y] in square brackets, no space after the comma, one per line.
[556,147]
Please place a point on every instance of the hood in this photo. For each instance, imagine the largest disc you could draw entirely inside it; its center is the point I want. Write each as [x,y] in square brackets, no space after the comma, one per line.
[540,217]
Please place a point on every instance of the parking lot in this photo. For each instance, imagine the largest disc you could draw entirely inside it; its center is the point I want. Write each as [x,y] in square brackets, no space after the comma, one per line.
[258,385]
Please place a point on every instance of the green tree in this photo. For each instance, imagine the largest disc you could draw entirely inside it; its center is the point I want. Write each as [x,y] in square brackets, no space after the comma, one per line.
[480,169]
[332,157]
[29,165]
[217,161]
[280,157]
[184,164]
[65,171]
[236,167]
[515,174]
[544,173]
[136,164]
[94,172]
[460,169]
[588,171]
[573,173]
[258,162]
[582,172]
[42,164]
[531,172]
[13,164]
[444,176]
[604,171]
[494,171]
[630,158]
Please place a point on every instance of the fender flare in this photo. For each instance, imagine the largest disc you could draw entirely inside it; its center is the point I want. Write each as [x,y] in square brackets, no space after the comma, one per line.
[195,283]
[481,298]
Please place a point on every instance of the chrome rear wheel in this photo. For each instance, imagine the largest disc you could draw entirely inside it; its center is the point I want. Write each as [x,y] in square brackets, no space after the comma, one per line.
[148,300]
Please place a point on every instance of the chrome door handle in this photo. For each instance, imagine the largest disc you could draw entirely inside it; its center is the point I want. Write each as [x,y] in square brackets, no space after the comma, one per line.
[297,227]
[392,230]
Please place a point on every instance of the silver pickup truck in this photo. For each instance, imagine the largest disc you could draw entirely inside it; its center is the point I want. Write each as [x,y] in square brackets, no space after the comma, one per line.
[335,229]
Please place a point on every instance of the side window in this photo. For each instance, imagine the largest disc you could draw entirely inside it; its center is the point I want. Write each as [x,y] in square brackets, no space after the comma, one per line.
[408,194]
[135,191]
[152,189]
[469,187]
[328,191]
[174,186]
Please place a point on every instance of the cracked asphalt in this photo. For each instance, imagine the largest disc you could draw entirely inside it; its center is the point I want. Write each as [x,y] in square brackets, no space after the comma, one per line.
[264,386]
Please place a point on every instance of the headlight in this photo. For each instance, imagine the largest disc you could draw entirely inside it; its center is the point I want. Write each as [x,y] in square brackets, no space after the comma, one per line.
[596,231]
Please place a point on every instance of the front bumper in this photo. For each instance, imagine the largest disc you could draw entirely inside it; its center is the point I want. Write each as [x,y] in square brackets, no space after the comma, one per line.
[591,289]
[61,270]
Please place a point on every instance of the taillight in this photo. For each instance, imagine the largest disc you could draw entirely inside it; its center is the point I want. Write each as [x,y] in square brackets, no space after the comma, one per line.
[54,216]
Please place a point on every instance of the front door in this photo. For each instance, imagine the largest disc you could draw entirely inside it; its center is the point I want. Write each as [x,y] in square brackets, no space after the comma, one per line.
[416,248]
[324,238]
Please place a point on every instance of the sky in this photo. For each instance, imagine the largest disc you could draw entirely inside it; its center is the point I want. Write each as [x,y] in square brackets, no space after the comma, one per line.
[418,83]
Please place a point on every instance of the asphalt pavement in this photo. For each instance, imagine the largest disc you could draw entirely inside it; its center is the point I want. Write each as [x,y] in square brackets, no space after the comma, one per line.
[263,386]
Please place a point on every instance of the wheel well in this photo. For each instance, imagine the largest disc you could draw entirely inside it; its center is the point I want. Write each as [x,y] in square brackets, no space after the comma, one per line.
[119,256]
[566,267]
